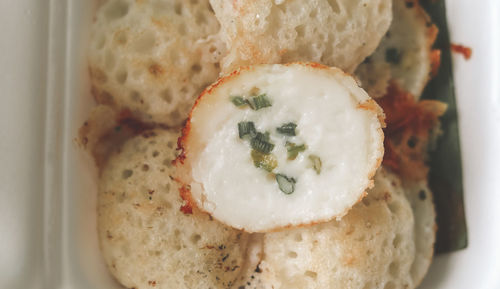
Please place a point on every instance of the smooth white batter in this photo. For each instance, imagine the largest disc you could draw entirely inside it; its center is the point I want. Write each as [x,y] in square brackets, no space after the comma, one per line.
[224,180]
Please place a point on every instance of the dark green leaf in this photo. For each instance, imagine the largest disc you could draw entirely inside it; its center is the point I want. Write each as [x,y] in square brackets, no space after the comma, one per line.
[261,143]
[445,177]
[258,102]
[246,128]
[287,129]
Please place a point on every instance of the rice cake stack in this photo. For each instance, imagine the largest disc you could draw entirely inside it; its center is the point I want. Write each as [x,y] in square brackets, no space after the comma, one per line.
[151,58]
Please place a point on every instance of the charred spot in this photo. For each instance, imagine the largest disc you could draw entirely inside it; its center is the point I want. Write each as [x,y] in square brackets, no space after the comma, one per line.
[412,141]
[393,55]
[257,269]
[148,134]
[126,119]
[422,195]
[155,69]
[409,4]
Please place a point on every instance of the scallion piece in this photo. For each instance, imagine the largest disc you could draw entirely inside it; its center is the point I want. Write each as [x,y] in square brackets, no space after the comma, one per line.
[261,143]
[286,184]
[287,129]
[267,162]
[294,150]
[316,163]
[246,128]
[258,102]
[238,101]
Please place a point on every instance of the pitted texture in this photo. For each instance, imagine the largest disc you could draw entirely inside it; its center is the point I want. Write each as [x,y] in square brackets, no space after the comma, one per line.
[404,55]
[373,246]
[153,57]
[337,33]
[421,200]
[145,239]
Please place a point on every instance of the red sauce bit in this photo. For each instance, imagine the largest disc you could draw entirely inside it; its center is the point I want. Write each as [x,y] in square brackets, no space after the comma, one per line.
[187,208]
[408,132]
[435,61]
[464,50]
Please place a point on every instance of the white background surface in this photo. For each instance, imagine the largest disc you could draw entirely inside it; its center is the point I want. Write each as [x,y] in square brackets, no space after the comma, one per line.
[47,207]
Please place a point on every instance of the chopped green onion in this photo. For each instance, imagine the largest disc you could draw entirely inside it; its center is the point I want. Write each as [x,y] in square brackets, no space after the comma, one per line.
[294,150]
[316,163]
[267,162]
[246,128]
[286,184]
[287,129]
[258,102]
[238,101]
[392,55]
[261,143]
[265,137]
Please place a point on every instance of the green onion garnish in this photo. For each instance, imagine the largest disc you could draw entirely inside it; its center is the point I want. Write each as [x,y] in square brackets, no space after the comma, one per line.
[286,184]
[294,150]
[316,163]
[267,162]
[287,129]
[258,102]
[261,143]
[238,101]
[246,128]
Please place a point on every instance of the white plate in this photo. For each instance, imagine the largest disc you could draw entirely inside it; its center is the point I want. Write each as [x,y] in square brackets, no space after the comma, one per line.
[47,213]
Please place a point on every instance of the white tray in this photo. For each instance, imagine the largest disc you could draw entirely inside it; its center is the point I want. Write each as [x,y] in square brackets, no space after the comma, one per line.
[47,210]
